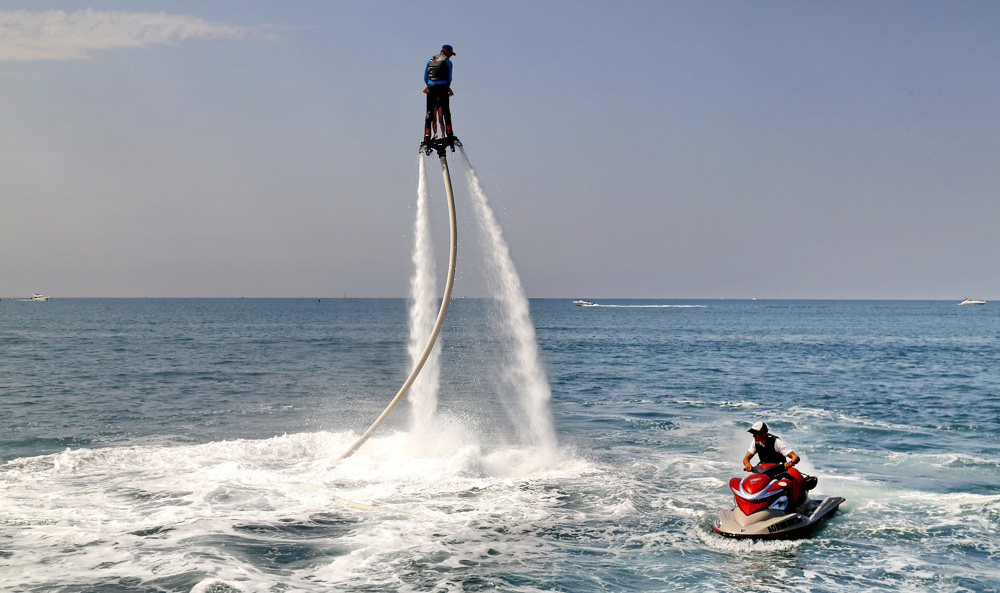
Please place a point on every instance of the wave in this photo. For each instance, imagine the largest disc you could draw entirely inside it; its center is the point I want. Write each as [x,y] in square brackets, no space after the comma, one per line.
[268,508]
[649,306]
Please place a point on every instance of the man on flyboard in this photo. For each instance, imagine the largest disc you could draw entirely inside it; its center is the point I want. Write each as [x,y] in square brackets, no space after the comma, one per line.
[437,77]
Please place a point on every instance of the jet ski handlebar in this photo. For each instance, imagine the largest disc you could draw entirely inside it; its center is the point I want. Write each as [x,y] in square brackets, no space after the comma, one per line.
[770,471]
[778,470]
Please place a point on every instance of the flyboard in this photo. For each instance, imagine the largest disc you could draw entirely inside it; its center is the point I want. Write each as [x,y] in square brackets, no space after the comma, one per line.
[440,145]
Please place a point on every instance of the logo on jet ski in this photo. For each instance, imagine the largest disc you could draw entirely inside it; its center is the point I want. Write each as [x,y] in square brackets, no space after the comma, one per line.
[790,522]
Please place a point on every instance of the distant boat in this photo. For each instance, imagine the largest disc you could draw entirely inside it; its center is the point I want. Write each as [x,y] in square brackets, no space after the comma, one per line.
[37,297]
[583,303]
[972,302]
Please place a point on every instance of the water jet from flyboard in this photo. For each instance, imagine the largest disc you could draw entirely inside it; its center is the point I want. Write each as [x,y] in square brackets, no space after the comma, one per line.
[440,145]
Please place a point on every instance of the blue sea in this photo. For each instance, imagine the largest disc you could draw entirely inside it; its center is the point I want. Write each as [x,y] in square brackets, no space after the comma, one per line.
[188,445]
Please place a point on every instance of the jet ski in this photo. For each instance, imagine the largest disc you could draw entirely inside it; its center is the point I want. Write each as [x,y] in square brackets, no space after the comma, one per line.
[774,503]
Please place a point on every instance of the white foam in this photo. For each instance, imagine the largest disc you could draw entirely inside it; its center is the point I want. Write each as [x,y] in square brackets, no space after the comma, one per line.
[131,512]
[649,306]
[217,511]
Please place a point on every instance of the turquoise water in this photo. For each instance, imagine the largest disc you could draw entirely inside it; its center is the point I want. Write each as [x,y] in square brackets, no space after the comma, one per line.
[186,445]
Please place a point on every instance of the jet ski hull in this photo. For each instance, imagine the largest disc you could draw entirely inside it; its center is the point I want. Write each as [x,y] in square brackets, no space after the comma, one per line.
[774,524]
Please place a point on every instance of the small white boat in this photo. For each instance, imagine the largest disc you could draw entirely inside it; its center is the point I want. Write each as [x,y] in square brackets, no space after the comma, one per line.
[38,297]
[582,303]
[972,302]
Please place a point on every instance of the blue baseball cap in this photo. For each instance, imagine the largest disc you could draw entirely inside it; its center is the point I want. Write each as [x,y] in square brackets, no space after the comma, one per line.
[448,47]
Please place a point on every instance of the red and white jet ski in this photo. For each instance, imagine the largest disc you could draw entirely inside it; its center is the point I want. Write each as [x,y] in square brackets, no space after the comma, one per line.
[774,503]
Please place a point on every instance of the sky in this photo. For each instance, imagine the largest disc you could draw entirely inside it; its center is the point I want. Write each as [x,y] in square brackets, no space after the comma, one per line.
[631,149]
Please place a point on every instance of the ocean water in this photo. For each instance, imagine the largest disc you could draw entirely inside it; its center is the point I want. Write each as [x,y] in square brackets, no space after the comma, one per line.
[186,446]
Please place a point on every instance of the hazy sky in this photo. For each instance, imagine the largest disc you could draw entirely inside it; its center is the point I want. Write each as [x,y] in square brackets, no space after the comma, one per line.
[699,149]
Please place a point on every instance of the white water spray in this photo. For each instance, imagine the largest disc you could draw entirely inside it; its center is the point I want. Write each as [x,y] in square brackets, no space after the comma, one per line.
[422,312]
[529,393]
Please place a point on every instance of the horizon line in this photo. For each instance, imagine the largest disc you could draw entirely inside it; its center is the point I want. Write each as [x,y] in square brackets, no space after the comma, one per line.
[750,299]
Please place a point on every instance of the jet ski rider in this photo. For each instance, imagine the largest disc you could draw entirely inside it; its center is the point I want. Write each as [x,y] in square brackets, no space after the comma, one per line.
[769,448]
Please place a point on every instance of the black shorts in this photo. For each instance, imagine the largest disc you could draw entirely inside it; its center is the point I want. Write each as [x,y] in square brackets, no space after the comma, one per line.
[437,96]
